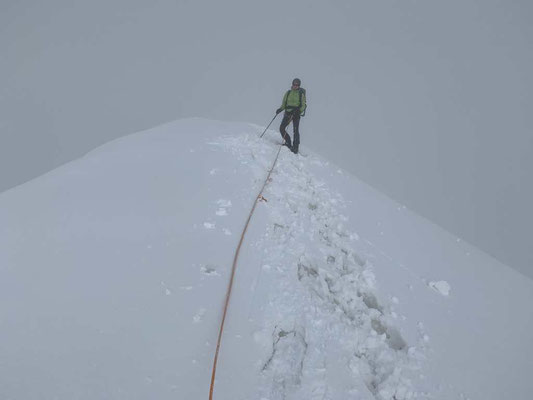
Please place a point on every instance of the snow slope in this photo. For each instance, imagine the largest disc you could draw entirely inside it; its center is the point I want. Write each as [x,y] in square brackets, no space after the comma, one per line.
[113,271]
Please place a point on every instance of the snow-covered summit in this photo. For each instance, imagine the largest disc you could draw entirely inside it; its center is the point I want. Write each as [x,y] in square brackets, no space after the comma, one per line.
[114,267]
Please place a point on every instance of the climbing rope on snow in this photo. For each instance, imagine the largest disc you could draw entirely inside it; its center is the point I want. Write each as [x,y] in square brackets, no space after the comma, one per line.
[258,198]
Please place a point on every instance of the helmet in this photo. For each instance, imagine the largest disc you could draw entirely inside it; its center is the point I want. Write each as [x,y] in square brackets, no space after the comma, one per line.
[296,81]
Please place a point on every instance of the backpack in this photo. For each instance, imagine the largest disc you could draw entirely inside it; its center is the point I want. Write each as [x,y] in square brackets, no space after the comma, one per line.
[300,92]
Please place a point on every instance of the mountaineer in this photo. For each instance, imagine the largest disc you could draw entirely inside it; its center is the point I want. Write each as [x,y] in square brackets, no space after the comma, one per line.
[294,104]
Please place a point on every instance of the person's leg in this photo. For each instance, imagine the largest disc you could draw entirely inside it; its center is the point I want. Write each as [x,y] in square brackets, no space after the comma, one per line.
[284,123]
[296,128]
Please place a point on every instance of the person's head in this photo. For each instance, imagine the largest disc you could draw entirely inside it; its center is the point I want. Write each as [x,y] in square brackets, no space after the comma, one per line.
[296,83]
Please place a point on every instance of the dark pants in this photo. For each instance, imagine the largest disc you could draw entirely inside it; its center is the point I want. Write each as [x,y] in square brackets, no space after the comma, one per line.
[287,117]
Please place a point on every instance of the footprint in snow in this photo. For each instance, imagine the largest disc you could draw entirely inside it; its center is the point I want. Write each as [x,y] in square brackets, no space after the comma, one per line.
[209,270]
[285,364]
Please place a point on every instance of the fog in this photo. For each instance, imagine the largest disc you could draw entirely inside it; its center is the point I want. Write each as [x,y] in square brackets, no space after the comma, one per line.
[428,101]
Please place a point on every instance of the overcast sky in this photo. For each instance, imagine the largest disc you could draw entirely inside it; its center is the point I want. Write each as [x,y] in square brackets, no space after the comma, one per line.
[428,101]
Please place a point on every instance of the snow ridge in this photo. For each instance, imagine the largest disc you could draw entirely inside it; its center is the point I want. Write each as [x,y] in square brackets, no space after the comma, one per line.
[325,334]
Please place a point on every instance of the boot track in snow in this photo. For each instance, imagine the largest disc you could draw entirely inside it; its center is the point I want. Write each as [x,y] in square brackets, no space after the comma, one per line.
[324,332]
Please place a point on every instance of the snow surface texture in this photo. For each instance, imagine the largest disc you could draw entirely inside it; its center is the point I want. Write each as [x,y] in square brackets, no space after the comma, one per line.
[113,272]
[322,317]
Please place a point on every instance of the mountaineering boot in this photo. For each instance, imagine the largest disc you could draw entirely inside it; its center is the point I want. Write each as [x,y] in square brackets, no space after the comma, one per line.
[294,149]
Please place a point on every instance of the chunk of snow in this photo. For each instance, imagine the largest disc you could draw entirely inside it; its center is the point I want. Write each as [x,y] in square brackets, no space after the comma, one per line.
[199,315]
[224,203]
[442,287]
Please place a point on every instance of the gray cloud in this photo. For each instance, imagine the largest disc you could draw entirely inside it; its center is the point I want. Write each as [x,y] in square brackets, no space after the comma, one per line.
[428,101]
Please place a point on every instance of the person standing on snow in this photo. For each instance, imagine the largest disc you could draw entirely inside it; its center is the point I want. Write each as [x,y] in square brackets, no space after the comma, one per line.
[294,104]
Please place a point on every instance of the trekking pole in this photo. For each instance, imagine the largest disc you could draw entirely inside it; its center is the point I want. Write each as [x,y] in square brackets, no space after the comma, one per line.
[268,125]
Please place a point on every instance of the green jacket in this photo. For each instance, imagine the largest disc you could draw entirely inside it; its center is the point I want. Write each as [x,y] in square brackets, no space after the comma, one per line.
[291,100]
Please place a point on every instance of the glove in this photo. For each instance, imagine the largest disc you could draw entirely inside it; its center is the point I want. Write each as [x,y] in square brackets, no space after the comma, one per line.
[279,110]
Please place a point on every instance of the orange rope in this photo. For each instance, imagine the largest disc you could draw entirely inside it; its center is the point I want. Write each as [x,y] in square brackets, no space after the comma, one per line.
[233,268]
